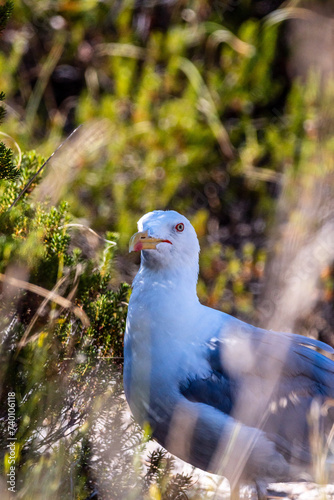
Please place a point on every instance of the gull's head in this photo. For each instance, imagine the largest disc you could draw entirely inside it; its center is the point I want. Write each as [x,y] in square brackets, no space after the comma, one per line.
[166,239]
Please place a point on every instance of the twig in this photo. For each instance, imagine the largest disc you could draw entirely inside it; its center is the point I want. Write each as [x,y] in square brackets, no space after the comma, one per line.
[40,170]
[38,313]
[87,228]
[50,295]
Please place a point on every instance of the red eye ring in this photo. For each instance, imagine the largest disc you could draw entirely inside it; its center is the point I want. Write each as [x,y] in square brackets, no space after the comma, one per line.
[179,227]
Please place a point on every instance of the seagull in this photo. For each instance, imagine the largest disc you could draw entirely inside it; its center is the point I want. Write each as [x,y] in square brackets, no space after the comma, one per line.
[252,405]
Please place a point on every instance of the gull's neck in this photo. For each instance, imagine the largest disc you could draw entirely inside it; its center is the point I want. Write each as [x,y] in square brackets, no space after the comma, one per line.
[179,283]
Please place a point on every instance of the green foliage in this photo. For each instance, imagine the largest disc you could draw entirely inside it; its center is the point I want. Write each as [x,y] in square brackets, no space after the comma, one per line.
[7,168]
[5,12]
[105,309]
[160,480]
[45,344]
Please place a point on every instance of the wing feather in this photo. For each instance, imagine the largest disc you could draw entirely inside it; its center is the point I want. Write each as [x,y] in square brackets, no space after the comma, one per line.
[267,380]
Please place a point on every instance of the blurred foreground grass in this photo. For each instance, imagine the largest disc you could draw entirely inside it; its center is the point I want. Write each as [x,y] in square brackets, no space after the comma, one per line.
[185,105]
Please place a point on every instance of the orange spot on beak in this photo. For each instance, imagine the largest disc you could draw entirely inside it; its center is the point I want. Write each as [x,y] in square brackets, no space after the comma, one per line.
[141,241]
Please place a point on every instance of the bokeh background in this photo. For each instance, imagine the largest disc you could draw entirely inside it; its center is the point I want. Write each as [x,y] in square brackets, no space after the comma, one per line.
[222,110]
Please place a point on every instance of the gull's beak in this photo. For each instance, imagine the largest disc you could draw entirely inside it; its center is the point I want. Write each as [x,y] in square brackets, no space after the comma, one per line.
[142,241]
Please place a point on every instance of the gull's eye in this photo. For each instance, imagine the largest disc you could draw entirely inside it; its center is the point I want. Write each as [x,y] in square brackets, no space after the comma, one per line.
[179,227]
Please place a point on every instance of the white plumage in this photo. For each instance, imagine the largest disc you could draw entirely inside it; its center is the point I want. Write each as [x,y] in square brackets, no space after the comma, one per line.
[220,394]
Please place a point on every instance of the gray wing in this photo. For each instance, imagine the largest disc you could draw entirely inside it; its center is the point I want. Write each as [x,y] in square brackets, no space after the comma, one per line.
[276,382]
